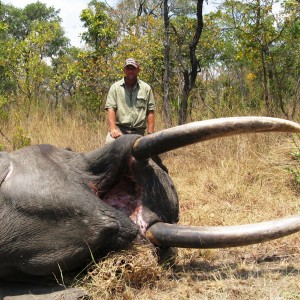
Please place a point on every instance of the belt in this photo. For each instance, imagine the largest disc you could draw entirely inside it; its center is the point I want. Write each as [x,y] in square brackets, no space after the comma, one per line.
[129,130]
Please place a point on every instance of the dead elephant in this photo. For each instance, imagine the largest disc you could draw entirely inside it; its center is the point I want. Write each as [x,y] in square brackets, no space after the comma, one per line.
[60,208]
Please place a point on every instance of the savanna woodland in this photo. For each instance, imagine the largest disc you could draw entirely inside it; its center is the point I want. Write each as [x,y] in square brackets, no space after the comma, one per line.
[241,58]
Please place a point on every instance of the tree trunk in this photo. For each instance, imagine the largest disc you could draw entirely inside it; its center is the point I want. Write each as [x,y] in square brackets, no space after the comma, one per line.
[265,83]
[191,75]
[277,87]
[182,118]
[166,101]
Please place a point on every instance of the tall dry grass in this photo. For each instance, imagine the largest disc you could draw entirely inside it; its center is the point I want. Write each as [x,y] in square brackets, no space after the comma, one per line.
[236,180]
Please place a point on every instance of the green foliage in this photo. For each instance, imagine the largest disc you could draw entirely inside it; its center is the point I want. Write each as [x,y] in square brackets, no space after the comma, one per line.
[146,47]
[101,33]
[22,22]
[296,173]
[25,64]
[247,55]
[295,170]
[64,78]
[20,139]
[31,37]
[261,38]
[3,108]
[95,79]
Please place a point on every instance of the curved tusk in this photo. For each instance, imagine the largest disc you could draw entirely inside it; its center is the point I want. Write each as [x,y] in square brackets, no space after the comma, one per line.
[170,235]
[187,134]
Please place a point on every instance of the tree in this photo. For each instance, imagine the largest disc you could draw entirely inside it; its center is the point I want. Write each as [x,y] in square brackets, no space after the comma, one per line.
[64,80]
[21,22]
[101,33]
[94,64]
[166,98]
[285,60]
[32,35]
[188,63]
[260,39]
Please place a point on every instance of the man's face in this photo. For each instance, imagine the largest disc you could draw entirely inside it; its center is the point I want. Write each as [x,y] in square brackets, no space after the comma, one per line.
[131,72]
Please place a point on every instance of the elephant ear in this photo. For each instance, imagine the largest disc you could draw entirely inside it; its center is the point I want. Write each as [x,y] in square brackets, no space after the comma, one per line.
[159,196]
[109,163]
[5,166]
[188,134]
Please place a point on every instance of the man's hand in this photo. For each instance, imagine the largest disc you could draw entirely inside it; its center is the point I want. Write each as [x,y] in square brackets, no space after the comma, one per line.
[115,133]
[111,119]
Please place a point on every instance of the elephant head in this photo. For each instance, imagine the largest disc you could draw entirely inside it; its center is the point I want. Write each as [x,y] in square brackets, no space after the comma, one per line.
[60,208]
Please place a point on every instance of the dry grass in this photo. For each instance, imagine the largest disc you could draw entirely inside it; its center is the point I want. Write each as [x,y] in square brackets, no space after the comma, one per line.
[237,180]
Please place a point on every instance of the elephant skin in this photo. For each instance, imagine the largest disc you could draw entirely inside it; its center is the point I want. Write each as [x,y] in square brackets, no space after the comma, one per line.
[59,208]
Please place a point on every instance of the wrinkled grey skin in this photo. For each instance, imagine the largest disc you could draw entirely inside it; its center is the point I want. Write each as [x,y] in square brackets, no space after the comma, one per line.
[53,212]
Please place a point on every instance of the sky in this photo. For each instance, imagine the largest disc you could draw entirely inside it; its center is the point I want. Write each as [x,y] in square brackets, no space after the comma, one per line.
[69,12]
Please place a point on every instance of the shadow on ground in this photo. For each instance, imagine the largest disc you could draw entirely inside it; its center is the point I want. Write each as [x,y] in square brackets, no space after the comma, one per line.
[34,291]
[259,267]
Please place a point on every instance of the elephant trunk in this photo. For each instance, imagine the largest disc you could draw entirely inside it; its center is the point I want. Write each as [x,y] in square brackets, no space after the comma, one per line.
[187,134]
[170,235]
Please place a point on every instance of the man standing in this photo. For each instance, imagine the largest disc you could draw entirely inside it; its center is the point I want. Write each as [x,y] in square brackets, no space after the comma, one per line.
[130,104]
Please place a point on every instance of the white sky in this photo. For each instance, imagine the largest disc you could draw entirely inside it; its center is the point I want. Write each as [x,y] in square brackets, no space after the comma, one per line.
[69,12]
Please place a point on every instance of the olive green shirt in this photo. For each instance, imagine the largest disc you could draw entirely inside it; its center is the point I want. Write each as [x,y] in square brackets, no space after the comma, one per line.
[131,107]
